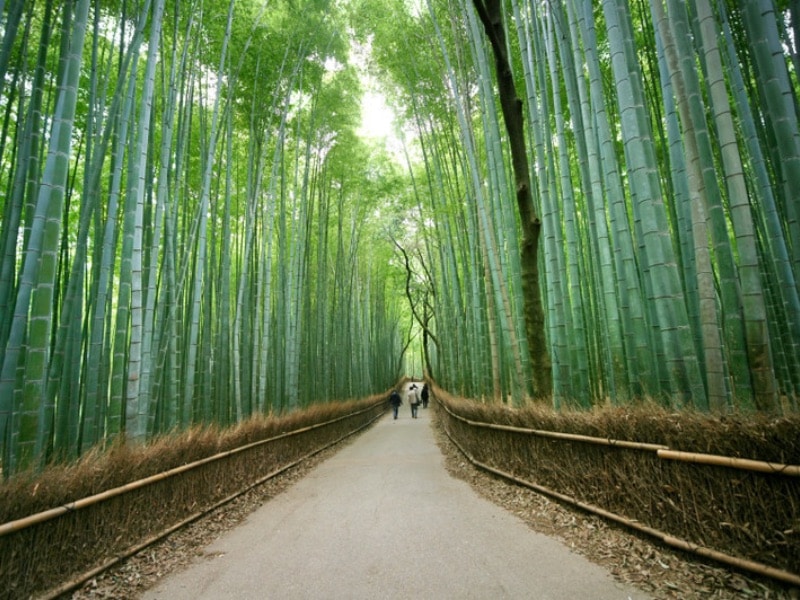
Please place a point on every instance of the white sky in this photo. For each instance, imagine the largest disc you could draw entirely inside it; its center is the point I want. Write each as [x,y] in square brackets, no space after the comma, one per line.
[377,119]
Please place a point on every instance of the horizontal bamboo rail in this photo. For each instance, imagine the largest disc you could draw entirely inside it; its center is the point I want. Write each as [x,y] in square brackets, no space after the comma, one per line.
[745,464]
[663,452]
[79,580]
[53,513]
[734,561]
[558,435]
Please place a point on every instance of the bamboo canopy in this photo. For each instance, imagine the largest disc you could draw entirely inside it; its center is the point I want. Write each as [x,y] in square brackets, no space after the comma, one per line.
[205,216]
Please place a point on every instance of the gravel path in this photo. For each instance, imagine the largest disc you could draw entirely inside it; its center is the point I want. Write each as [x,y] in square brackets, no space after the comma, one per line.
[660,572]
[383,519]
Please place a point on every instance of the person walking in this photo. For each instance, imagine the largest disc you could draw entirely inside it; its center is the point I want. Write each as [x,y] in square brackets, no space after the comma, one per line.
[395,400]
[413,400]
[424,394]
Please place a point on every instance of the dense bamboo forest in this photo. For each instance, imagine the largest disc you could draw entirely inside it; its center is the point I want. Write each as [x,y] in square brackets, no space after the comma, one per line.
[574,202]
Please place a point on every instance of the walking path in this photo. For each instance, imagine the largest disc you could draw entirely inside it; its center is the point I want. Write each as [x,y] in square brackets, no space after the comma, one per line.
[382,519]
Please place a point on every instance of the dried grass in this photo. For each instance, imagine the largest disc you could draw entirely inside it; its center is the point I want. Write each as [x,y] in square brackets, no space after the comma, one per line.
[746,514]
[45,555]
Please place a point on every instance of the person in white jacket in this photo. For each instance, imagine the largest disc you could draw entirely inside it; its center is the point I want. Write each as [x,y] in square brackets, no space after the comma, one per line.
[413,400]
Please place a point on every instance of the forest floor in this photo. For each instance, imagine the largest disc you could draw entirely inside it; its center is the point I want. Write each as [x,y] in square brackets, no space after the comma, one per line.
[661,572]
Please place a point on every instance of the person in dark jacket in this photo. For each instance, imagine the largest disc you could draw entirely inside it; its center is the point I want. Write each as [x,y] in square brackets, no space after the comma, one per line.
[424,395]
[395,400]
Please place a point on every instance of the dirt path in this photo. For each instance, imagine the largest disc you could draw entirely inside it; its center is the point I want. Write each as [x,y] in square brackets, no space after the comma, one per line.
[383,519]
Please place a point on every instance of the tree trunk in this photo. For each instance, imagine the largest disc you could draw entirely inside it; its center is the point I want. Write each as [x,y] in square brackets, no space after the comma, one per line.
[490,13]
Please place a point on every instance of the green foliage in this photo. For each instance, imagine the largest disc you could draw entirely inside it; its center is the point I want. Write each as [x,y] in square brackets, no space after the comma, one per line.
[173,259]
[220,244]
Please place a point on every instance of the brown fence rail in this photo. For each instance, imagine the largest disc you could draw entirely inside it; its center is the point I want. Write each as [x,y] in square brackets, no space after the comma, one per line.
[740,512]
[51,552]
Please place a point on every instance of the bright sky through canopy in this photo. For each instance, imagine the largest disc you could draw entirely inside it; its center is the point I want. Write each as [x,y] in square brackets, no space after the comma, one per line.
[376,118]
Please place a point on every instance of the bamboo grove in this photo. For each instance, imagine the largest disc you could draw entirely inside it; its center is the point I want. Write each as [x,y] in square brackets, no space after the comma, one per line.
[663,140]
[193,230]
[187,222]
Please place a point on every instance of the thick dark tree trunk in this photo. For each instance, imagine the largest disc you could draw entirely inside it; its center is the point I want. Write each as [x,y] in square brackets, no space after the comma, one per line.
[491,15]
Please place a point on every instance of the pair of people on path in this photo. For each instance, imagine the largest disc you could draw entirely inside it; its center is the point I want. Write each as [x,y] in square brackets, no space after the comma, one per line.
[420,397]
[415,398]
